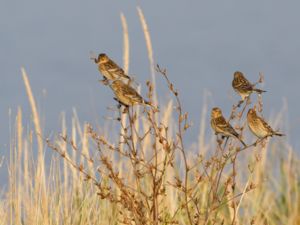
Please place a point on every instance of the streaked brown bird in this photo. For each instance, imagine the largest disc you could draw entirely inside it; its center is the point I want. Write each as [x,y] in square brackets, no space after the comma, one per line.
[126,95]
[109,69]
[259,127]
[242,86]
[221,126]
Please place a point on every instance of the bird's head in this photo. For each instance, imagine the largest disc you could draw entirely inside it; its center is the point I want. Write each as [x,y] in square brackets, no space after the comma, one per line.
[216,112]
[102,58]
[116,84]
[238,75]
[251,112]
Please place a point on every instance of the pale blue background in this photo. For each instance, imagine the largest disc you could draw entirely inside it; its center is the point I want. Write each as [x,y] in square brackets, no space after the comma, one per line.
[200,42]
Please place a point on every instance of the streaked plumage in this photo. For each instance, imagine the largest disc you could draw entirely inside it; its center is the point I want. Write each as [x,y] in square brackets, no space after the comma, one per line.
[242,86]
[259,126]
[221,126]
[126,95]
[109,69]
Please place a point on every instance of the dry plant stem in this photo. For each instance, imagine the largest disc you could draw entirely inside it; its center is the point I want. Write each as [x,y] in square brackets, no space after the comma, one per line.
[100,140]
[232,157]
[70,161]
[209,202]
[233,187]
[130,143]
[124,189]
[157,174]
[156,182]
[179,136]
[135,152]
[247,102]
[230,199]
[154,177]
[216,181]
[219,177]
[111,174]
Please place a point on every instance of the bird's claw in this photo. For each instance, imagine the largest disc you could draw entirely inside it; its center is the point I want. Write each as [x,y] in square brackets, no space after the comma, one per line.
[240,103]
[105,81]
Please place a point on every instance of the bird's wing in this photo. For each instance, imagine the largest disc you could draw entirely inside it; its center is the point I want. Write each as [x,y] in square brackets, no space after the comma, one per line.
[131,93]
[223,125]
[113,68]
[265,124]
[243,83]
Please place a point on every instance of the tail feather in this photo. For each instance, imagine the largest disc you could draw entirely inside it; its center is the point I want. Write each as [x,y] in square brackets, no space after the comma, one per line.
[279,134]
[131,80]
[240,139]
[127,77]
[152,106]
[243,142]
[259,91]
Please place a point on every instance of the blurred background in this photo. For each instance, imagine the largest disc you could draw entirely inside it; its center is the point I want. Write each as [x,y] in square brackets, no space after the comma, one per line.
[201,43]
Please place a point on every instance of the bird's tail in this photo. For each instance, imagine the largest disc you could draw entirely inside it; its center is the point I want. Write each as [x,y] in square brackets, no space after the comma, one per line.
[238,136]
[259,91]
[278,134]
[151,105]
[243,142]
[240,139]
[131,80]
[128,77]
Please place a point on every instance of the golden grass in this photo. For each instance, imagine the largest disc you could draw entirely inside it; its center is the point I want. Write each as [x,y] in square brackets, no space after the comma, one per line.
[36,119]
[126,56]
[126,47]
[149,49]
[40,189]
[72,200]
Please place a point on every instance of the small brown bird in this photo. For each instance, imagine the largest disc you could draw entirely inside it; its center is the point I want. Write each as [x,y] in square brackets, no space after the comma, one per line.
[109,69]
[258,126]
[221,126]
[242,86]
[126,95]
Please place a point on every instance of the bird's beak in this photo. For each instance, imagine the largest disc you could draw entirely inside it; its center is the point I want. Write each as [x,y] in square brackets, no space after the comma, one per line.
[93,57]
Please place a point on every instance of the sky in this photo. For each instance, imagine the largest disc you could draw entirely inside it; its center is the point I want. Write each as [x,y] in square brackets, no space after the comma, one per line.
[201,43]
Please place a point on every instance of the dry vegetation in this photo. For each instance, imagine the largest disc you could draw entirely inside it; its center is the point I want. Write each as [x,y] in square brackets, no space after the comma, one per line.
[146,174]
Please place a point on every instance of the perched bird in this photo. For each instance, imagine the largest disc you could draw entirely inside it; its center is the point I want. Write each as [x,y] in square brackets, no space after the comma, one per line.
[221,126]
[126,95]
[242,86]
[258,126]
[109,69]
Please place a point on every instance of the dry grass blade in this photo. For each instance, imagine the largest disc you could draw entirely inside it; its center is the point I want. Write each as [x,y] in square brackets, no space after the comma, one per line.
[35,115]
[20,132]
[125,44]
[150,50]
[126,69]
[38,130]
[40,174]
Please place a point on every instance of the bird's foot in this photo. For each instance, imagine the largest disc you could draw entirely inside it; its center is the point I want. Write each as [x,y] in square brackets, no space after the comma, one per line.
[240,103]
[220,141]
[105,81]
[126,110]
